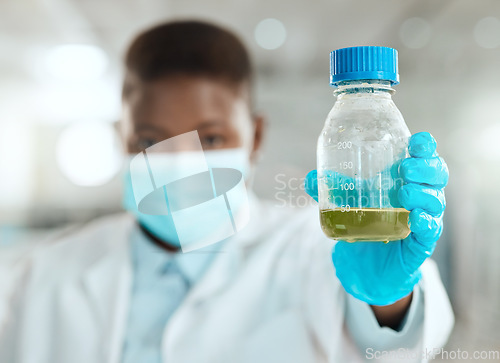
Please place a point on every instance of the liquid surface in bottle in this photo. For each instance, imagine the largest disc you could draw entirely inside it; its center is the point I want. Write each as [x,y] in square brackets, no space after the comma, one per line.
[365,224]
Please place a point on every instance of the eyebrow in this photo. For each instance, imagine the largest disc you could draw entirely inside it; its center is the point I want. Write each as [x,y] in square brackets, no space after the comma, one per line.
[203,125]
[207,124]
[146,128]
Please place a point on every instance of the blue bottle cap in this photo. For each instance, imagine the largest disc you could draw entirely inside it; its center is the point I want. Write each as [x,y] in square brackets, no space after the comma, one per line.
[369,62]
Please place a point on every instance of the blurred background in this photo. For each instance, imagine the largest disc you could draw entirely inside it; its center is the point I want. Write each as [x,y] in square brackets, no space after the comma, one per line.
[60,79]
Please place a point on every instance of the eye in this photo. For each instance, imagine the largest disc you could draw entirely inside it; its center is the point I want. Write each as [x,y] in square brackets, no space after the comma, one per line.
[144,142]
[212,141]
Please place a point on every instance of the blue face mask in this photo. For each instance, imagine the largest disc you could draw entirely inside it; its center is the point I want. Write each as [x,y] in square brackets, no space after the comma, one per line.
[162,225]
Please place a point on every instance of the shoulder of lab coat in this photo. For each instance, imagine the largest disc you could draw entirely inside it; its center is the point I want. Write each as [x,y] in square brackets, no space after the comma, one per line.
[68,256]
[60,262]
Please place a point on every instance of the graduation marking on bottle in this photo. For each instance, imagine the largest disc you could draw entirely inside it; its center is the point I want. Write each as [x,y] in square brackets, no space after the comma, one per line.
[344,145]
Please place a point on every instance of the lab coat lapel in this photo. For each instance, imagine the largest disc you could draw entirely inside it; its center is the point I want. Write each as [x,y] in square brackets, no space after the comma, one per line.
[218,276]
[183,328]
[228,259]
[107,283]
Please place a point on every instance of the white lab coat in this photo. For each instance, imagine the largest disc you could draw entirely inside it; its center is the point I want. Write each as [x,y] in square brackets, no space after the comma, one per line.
[271,296]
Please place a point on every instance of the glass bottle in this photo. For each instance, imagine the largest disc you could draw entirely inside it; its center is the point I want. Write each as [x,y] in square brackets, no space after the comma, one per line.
[360,148]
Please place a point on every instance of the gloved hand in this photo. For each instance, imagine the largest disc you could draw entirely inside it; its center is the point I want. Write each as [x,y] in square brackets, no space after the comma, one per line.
[381,273]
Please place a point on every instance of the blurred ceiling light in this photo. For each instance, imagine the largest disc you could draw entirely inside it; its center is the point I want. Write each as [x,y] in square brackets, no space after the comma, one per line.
[88,154]
[488,144]
[98,100]
[415,33]
[270,33]
[76,62]
[487,32]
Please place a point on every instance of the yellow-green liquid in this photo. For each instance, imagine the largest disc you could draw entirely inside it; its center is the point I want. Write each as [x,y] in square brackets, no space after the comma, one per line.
[365,224]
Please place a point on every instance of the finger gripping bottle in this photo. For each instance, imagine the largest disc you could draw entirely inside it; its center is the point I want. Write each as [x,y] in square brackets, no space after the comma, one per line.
[360,148]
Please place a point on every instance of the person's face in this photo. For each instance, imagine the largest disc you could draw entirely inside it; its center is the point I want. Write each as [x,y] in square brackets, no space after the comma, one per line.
[175,105]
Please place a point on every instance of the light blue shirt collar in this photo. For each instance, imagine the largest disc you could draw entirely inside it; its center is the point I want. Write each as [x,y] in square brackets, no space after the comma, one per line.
[150,259]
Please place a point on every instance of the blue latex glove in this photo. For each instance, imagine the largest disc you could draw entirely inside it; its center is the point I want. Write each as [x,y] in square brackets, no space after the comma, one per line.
[382,273]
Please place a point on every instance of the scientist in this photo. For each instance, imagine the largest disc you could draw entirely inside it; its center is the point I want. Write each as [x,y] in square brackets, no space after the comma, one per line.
[121,290]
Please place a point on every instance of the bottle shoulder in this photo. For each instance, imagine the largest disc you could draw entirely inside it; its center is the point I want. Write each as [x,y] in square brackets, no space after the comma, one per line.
[364,104]
[365,118]
[364,110]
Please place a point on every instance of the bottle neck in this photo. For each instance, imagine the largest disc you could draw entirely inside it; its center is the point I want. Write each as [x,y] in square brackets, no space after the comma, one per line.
[369,87]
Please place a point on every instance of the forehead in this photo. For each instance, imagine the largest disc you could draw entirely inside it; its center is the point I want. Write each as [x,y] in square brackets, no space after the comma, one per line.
[184,101]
